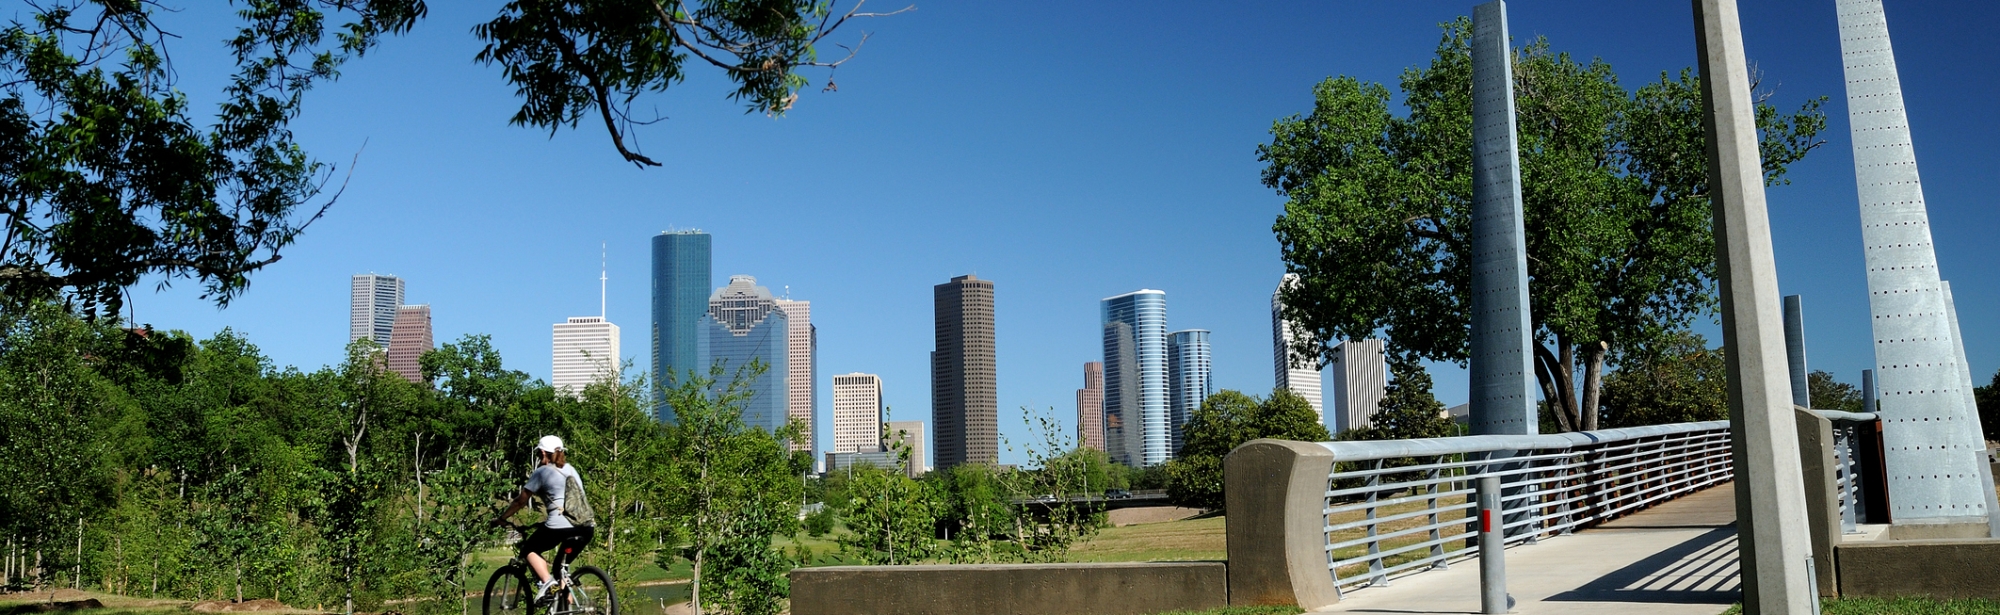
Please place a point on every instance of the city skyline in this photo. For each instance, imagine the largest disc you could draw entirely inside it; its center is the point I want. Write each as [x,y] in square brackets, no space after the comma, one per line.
[1135,378]
[529,205]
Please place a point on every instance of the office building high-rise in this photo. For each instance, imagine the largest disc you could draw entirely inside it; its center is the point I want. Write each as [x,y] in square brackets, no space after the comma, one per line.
[857,413]
[585,351]
[1296,372]
[1189,379]
[409,339]
[1090,407]
[802,358]
[910,434]
[1135,378]
[372,303]
[1360,380]
[744,325]
[965,403]
[681,286]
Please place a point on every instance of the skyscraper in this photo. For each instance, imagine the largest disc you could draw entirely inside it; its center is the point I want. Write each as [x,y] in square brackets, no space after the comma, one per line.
[1189,379]
[585,351]
[965,404]
[1090,407]
[372,303]
[1360,380]
[802,361]
[745,325]
[1295,372]
[409,339]
[911,435]
[1135,378]
[857,413]
[680,306]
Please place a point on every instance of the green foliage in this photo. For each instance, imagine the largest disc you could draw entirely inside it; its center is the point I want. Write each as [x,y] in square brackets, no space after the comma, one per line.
[732,486]
[108,176]
[1828,393]
[820,522]
[458,524]
[1619,237]
[1988,399]
[1679,380]
[574,60]
[1226,420]
[1408,409]
[890,517]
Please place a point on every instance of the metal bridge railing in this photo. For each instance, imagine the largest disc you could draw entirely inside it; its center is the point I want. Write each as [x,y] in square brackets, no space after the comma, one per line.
[1401,506]
[1849,428]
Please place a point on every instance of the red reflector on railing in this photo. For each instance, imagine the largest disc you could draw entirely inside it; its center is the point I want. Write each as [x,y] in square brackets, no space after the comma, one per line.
[1486,521]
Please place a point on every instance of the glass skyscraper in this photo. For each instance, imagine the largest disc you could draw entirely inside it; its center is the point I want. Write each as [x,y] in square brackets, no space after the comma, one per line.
[681,287]
[1189,381]
[744,324]
[1136,430]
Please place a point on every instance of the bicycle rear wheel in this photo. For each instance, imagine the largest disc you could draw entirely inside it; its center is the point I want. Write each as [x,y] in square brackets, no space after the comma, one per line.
[590,593]
[507,593]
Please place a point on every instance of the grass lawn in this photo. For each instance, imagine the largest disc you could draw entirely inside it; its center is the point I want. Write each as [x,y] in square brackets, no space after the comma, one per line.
[1187,540]
[1901,606]
[1243,610]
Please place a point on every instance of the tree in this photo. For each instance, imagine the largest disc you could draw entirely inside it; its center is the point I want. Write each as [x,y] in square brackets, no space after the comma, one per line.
[463,497]
[890,516]
[1678,381]
[106,175]
[1827,393]
[731,489]
[1225,421]
[1408,409]
[1988,400]
[1377,221]
[612,429]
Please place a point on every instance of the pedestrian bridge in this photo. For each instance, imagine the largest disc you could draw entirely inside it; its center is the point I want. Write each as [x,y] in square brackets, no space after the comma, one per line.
[1640,520]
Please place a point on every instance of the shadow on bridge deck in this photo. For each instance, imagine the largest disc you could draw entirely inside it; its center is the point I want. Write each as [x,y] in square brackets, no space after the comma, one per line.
[1675,558]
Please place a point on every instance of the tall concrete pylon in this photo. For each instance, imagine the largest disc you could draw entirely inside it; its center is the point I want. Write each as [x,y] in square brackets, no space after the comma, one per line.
[1773,549]
[1929,434]
[1503,399]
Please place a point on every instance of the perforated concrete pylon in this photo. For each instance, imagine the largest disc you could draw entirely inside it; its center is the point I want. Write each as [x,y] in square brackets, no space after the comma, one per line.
[1928,433]
[1503,399]
[1774,550]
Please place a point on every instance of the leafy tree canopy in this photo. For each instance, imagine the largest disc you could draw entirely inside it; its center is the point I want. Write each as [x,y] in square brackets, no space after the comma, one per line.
[1377,221]
[1408,409]
[1680,379]
[1225,421]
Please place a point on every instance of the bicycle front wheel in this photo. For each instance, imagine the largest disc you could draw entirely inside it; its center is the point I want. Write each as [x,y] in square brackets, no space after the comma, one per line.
[507,593]
[590,593]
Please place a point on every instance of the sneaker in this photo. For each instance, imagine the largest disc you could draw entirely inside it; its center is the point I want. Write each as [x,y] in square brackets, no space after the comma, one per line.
[542,591]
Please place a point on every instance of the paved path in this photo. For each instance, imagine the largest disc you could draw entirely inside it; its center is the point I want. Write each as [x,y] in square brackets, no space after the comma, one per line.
[1675,558]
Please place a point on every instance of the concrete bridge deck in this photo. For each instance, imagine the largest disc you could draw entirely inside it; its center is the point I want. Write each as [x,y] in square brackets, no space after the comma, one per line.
[1678,558]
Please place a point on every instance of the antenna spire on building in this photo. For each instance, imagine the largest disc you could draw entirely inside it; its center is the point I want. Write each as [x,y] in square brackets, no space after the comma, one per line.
[603,260]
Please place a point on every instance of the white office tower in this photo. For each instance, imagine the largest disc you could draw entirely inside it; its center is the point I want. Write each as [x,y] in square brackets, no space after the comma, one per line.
[857,413]
[1360,380]
[1295,372]
[802,357]
[911,435]
[586,351]
[371,311]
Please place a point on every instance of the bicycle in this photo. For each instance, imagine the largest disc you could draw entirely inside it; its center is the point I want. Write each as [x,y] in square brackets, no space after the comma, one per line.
[587,591]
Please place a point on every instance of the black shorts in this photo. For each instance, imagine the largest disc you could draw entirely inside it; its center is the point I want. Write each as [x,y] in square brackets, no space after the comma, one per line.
[573,539]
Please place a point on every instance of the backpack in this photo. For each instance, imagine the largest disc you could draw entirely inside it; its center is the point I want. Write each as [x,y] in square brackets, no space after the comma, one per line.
[575,505]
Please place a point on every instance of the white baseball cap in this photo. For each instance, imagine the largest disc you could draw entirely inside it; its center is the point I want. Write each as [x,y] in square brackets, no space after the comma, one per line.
[549,444]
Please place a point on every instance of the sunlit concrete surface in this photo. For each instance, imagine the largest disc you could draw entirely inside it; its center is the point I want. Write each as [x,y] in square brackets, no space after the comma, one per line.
[1676,558]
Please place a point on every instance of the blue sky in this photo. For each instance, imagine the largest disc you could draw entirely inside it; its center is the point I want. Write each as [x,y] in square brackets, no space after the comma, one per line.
[1067,151]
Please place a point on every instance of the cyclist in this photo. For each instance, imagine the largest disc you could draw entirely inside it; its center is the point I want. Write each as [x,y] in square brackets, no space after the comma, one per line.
[547,482]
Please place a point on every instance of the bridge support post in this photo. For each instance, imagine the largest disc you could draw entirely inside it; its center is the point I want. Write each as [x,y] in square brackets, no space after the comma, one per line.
[1492,548]
[1770,503]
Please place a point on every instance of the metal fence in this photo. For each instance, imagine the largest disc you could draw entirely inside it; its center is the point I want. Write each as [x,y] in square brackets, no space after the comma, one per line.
[1401,506]
[1849,428]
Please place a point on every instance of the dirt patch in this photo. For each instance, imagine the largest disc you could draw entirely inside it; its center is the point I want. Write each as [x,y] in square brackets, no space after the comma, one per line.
[248,606]
[51,607]
[1149,514]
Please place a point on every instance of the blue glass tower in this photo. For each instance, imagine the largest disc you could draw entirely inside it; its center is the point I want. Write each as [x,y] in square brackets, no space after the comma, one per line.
[1189,381]
[680,303]
[745,325]
[1135,378]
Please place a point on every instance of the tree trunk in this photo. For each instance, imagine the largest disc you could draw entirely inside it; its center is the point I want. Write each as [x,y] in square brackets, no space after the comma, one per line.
[239,582]
[1550,373]
[76,582]
[1593,382]
[694,587]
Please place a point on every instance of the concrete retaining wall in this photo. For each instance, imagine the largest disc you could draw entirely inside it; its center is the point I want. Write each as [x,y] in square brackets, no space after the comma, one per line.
[1275,491]
[1938,568]
[1007,589]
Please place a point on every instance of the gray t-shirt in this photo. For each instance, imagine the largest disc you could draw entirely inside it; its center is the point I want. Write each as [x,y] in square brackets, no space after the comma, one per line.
[546,482]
